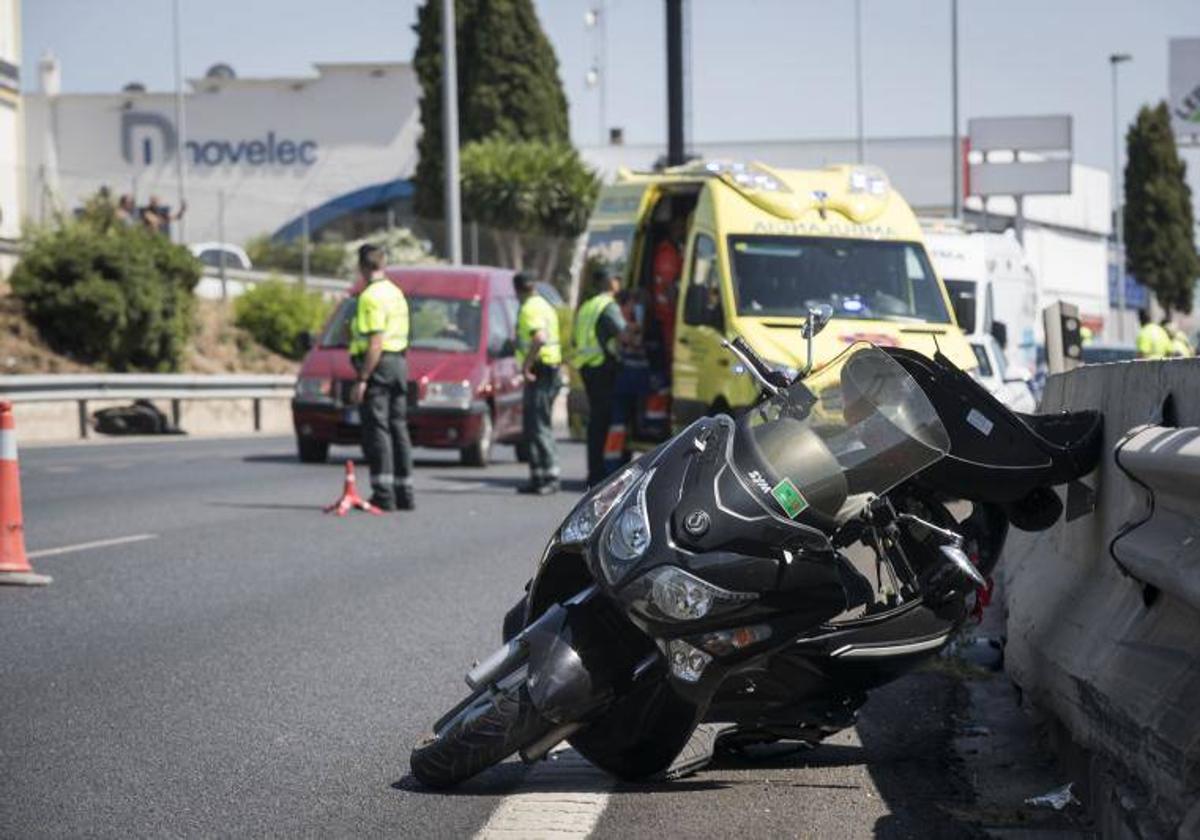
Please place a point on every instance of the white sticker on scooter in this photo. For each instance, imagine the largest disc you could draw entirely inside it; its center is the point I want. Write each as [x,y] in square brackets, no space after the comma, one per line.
[980,422]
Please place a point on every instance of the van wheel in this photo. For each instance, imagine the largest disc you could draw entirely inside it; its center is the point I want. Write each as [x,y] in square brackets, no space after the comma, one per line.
[479,453]
[312,451]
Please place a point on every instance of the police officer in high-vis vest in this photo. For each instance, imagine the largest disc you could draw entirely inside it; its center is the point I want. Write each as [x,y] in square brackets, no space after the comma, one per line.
[596,336]
[378,343]
[539,354]
[1153,342]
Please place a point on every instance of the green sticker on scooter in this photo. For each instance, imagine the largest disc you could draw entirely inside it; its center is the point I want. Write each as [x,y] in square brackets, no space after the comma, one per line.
[790,498]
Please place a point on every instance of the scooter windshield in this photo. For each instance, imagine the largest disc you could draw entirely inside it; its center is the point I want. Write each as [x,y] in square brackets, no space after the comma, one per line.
[819,451]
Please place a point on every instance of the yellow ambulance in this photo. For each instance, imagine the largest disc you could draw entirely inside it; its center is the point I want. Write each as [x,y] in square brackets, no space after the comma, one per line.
[757,247]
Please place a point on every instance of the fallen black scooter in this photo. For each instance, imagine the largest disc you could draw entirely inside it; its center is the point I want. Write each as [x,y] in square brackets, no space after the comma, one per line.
[751,580]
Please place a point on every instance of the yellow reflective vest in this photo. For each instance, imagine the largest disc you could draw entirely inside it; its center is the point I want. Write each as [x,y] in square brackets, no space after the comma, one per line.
[1153,342]
[381,308]
[537,315]
[588,352]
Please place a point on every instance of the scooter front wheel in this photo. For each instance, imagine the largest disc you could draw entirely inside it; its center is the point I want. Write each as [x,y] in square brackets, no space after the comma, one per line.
[487,730]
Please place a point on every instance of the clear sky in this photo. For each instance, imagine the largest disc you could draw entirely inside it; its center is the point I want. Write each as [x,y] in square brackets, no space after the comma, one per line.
[762,69]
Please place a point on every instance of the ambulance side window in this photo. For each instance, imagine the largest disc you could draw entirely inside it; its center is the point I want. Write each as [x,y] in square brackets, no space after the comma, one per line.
[703,304]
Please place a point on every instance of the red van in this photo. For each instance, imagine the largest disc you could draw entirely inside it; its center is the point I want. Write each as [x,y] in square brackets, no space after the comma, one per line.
[465,387]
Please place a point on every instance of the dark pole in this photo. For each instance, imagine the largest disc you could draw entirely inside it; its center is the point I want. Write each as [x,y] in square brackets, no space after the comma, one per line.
[674,82]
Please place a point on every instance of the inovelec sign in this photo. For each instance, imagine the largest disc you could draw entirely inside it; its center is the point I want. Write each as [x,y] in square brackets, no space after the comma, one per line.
[147,137]
[265,152]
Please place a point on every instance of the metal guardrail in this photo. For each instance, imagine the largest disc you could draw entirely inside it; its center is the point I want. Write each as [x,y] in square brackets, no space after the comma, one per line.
[81,388]
[1161,545]
[237,280]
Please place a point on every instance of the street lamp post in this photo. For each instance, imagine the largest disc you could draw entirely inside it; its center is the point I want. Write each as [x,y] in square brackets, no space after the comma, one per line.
[858,81]
[450,134]
[1114,60]
[596,18]
[956,163]
[180,124]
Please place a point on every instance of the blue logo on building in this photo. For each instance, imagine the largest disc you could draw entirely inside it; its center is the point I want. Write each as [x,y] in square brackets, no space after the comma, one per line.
[271,150]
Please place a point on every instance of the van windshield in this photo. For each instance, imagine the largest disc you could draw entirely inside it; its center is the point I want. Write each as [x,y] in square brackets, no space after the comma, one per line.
[451,325]
[860,279]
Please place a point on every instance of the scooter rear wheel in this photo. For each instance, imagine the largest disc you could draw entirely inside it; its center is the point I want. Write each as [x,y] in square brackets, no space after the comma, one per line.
[487,730]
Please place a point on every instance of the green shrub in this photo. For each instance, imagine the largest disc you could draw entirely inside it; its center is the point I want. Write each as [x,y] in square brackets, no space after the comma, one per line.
[324,258]
[108,294]
[401,245]
[276,313]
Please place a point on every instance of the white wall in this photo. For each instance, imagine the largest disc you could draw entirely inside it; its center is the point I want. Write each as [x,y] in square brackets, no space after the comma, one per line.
[10,169]
[362,118]
[11,210]
[1072,267]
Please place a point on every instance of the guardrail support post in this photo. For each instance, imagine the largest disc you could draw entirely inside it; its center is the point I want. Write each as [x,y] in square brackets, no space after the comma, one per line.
[83,419]
[176,412]
[257,414]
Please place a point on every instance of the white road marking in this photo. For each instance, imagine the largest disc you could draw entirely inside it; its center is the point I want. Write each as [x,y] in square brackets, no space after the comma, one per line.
[567,798]
[67,549]
[60,470]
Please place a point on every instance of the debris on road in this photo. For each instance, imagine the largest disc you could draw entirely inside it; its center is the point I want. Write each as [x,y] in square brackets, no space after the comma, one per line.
[1057,799]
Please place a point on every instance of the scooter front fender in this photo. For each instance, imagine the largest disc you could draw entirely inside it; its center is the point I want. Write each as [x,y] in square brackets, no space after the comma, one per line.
[569,677]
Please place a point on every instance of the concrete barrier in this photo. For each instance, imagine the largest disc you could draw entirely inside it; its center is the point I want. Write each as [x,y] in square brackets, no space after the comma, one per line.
[1110,652]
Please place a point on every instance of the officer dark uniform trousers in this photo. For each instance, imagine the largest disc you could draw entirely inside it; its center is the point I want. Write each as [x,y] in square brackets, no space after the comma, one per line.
[382,308]
[536,315]
[598,324]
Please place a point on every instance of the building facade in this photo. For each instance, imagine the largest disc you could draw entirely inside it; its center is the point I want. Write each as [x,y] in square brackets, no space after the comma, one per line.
[11,135]
[274,156]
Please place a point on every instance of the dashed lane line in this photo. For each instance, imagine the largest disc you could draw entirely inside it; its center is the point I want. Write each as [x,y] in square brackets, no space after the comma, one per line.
[565,797]
[70,549]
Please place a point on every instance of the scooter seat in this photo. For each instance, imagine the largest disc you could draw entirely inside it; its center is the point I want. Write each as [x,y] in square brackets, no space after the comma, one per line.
[996,454]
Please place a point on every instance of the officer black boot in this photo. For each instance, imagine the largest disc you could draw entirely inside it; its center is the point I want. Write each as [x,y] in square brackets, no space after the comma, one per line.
[404,497]
[383,501]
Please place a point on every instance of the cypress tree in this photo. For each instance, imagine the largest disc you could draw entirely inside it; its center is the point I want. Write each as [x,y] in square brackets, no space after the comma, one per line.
[508,84]
[1160,249]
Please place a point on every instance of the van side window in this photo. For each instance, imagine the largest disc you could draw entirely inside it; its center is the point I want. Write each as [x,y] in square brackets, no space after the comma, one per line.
[499,330]
[703,304]
[512,306]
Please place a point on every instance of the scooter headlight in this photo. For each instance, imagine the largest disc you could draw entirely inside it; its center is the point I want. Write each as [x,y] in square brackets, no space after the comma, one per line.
[669,593]
[597,504]
[627,535]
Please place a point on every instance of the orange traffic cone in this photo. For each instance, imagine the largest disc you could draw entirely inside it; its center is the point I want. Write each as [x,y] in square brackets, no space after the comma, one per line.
[350,498]
[14,565]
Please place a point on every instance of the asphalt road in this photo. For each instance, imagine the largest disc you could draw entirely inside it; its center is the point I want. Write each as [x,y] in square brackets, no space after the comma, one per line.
[251,667]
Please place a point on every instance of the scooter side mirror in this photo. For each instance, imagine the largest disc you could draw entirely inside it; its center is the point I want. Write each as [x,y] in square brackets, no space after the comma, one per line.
[818,318]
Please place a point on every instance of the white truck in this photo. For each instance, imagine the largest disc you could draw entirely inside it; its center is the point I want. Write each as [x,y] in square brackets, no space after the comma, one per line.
[994,294]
